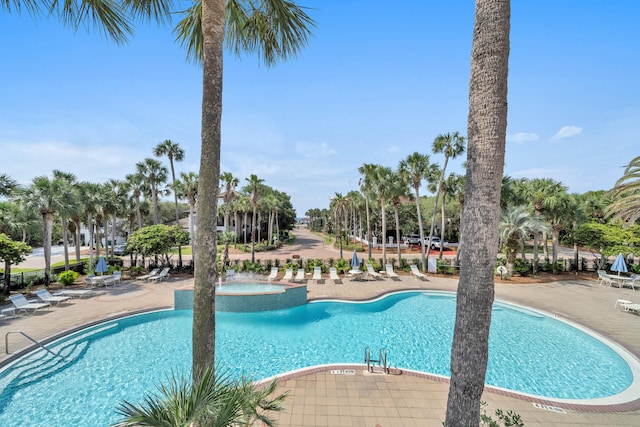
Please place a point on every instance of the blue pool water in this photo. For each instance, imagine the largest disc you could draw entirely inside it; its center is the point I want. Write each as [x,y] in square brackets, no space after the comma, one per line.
[123,359]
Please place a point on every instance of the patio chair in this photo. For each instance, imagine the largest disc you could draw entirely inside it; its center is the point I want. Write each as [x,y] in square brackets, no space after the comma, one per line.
[273,274]
[604,279]
[23,305]
[45,296]
[299,275]
[390,272]
[152,273]
[162,275]
[333,275]
[419,274]
[373,273]
[631,281]
[117,276]
[288,274]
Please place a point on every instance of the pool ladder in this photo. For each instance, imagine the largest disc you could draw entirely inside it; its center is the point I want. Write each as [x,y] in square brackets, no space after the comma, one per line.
[381,361]
[36,342]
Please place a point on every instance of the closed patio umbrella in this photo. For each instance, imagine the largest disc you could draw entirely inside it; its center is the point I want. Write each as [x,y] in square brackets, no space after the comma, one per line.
[355,262]
[619,265]
[101,266]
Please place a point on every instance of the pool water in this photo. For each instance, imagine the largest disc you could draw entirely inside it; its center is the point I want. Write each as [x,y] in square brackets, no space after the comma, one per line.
[123,359]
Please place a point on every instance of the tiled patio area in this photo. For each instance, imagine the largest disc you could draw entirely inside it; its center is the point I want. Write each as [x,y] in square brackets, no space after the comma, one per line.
[352,397]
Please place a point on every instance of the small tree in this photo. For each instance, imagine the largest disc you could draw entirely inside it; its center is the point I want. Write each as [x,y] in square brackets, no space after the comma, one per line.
[11,252]
[157,240]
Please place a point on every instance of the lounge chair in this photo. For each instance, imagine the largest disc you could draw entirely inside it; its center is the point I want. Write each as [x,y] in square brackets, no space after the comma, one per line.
[161,276]
[299,275]
[152,273]
[419,274]
[373,273]
[317,274]
[45,296]
[117,276]
[23,305]
[73,293]
[229,274]
[333,275]
[288,274]
[274,273]
[390,272]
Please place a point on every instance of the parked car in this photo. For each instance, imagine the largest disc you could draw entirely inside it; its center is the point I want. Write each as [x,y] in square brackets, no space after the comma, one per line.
[413,239]
[120,249]
[435,243]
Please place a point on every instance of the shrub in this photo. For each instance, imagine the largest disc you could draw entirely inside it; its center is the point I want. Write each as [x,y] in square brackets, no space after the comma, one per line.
[67,278]
[522,267]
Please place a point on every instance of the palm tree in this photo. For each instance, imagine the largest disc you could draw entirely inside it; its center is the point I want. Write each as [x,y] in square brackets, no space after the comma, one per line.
[254,182]
[413,170]
[135,183]
[230,183]
[339,205]
[68,204]
[275,29]
[399,191]
[486,130]
[626,195]
[45,196]
[7,184]
[155,174]
[210,399]
[543,194]
[187,188]
[452,145]
[174,152]
[366,187]
[516,224]
[89,196]
[383,181]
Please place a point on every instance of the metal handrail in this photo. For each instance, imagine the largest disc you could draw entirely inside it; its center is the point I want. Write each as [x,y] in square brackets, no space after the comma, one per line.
[6,343]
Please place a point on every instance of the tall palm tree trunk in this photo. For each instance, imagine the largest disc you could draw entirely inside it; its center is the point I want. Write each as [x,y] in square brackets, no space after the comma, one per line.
[47,220]
[366,202]
[421,231]
[253,235]
[485,163]
[206,273]
[442,227]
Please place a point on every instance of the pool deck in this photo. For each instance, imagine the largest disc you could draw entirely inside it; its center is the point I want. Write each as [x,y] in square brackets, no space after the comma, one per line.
[352,397]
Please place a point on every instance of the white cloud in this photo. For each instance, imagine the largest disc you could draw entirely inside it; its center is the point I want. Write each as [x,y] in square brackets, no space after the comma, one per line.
[522,137]
[314,151]
[567,132]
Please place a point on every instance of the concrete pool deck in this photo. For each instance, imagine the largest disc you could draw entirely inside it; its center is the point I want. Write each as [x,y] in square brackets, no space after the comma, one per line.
[350,397]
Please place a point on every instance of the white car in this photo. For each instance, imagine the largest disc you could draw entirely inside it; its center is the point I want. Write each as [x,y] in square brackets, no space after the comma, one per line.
[120,249]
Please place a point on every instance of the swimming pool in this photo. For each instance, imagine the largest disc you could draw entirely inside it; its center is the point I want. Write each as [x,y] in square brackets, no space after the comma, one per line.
[529,353]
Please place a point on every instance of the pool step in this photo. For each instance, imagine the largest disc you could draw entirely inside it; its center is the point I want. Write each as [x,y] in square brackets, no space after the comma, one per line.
[40,364]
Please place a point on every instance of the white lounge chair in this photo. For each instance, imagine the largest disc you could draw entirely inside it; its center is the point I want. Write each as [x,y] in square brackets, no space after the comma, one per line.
[117,276]
[45,296]
[299,275]
[333,275]
[419,274]
[288,274]
[23,305]
[373,273]
[390,272]
[152,273]
[273,274]
[73,293]
[161,276]
[317,274]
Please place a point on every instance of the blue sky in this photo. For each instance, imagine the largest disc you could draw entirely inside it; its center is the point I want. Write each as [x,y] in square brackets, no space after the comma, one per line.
[378,81]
